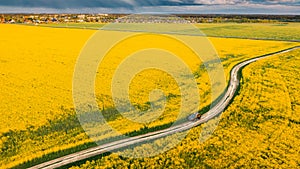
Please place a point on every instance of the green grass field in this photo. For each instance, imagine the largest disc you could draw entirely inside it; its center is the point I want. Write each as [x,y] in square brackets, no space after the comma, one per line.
[74,25]
[276,31]
[281,31]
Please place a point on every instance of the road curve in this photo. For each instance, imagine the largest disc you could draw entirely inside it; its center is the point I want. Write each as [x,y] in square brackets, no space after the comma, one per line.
[213,112]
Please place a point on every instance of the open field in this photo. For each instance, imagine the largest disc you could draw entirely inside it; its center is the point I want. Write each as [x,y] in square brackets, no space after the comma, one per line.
[37,115]
[258,130]
[74,25]
[276,31]
[280,31]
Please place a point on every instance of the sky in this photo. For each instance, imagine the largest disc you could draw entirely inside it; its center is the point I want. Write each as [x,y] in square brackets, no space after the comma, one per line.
[152,6]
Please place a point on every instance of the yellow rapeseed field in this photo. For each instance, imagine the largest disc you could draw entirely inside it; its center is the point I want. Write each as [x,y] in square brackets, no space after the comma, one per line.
[36,70]
[36,66]
[260,129]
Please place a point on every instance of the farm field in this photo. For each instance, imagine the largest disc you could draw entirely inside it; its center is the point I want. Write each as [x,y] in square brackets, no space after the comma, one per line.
[276,31]
[37,113]
[74,25]
[259,129]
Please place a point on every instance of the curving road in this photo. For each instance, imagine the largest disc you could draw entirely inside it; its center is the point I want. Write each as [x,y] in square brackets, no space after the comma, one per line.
[213,112]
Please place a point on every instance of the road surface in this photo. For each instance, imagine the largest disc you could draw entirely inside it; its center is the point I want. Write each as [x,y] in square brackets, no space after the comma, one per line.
[213,112]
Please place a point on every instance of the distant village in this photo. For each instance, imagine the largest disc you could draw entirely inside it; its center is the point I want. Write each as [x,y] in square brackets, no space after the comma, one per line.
[109,18]
[56,18]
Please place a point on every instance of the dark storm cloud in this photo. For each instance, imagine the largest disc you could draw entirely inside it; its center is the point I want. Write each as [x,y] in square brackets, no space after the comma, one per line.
[95,3]
[65,3]
[61,4]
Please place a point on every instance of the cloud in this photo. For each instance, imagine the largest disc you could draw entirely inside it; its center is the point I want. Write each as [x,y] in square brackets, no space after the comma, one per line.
[67,3]
[210,9]
[218,2]
[132,6]
[133,3]
[277,2]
